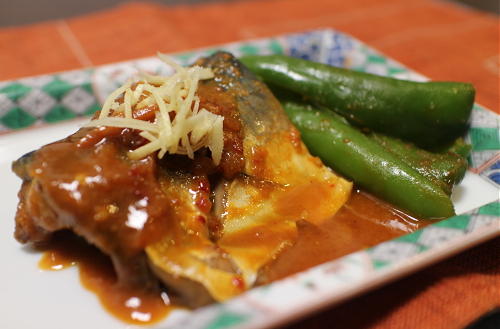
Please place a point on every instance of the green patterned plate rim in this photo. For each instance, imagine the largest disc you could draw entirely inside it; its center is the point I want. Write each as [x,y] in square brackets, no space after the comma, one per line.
[46,99]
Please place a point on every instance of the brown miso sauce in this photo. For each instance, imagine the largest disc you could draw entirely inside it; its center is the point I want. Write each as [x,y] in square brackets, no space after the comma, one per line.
[362,222]
[133,306]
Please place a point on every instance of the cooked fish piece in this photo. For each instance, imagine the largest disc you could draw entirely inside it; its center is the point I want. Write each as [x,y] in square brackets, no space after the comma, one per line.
[269,178]
[185,259]
[204,231]
[99,193]
[284,182]
[122,206]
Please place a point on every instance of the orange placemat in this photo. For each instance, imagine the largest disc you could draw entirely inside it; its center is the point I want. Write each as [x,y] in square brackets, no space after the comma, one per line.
[438,39]
[449,295]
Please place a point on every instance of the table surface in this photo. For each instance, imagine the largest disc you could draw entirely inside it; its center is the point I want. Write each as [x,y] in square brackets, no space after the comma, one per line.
[437,38]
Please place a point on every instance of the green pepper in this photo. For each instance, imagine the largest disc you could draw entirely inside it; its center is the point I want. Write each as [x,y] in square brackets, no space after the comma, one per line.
[356,156]
[459,147]
[444,169]
[425,113]
[445,166]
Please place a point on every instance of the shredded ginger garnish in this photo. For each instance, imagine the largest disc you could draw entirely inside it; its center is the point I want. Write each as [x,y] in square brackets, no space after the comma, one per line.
[192,127]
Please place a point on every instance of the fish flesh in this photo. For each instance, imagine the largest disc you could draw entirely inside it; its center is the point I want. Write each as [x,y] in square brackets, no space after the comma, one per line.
[203,231]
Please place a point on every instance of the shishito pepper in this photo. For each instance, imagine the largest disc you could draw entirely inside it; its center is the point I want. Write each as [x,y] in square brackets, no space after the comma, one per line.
[444,168]
[425,113]
[355,155]
[458,147]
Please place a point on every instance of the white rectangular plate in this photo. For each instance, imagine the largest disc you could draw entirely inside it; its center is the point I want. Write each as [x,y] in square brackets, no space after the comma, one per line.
[31,298]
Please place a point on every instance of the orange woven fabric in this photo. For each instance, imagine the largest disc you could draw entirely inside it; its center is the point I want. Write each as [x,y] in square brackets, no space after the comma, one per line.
[436,38]
[449,295]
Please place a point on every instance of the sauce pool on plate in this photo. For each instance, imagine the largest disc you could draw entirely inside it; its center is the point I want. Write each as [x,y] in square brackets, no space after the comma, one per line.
[364,221]
[130,305]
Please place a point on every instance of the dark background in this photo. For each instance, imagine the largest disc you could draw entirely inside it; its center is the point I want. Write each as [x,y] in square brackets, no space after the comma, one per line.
[20,12]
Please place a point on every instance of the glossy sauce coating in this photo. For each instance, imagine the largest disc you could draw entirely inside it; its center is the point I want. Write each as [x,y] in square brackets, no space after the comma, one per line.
[129,304]
[363,222]
[215,101]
